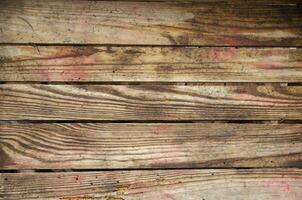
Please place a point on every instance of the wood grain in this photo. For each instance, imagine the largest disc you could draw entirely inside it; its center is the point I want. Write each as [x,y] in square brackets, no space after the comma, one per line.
[150,23]
[268,184]
[235,2]
[149,102]
[159,145]
[147,64]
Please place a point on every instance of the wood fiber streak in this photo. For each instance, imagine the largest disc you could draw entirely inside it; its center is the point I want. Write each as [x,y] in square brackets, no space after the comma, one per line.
[268,184]
[134,64]
[159,145]
[151,23]
[234,2]
[149,102]
[73,131]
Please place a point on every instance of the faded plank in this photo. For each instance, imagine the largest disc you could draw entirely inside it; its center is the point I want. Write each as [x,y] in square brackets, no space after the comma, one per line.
[151,145]
[150,23]
[149,102]
[258,2]
[134,64]
[268,184]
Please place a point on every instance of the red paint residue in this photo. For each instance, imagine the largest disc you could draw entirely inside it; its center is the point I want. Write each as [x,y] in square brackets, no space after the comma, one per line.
[272,60]
[283,186]
[162,129]
[136,11]
[67,64]
[270,65]
[231,41]
[222,54]
[66,73]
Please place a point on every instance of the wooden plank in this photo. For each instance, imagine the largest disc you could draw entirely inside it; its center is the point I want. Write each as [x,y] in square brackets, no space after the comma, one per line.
[268,184]
[258,2]
[133,64]
[149,102]
[150,23]
[159,145]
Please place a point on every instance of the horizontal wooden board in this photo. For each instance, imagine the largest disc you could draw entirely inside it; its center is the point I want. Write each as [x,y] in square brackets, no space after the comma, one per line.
[149,102]
[258,2]
[268,184]
[134,64]
[150,23]
[159,145]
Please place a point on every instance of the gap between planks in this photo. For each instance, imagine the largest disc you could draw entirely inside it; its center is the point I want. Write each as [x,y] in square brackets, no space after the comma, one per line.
[73,170]
[16,44]
[153,121]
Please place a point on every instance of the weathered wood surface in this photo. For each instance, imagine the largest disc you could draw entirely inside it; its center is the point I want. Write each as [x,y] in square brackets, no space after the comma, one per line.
[159,145]
[268,184]
[78,63]
[235,2]
[150,23]
[149,102]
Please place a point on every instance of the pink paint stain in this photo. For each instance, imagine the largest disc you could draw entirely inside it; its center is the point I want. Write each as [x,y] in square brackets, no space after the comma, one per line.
[66,73]
[222,54]
[68,65]
[137,11]
[162,129]
[272,60]
[270,65]
[283,186]
[231,41]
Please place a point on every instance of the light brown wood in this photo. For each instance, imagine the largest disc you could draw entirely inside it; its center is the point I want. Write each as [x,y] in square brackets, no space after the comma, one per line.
[268,184]
[150,23]
[149,102]
[235,2]
[159,145]
[134,64]
[72,131]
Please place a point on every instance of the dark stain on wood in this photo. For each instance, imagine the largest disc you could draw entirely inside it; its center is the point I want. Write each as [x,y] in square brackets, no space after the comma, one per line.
[108,129]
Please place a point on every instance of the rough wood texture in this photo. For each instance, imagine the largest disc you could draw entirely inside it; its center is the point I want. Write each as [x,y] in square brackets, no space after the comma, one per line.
[151,23]
[235,2]
[90,146]
[77,63]
[269,184]
[149,102]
